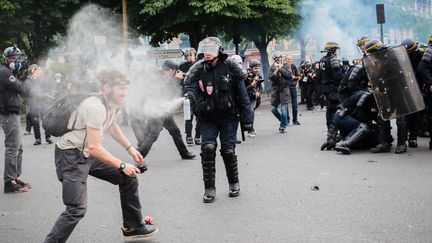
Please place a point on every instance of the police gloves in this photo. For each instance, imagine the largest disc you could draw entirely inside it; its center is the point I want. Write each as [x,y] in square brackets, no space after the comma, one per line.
[247,127]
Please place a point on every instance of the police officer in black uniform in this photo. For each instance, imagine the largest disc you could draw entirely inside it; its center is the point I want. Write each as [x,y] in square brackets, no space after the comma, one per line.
[384,128]
[154,125]
[354,118]
[409,123]
[216,88]
[425,72]
[190,59]
[330,73]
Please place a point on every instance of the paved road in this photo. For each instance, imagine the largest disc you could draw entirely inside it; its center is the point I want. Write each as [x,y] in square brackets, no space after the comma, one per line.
[361,198]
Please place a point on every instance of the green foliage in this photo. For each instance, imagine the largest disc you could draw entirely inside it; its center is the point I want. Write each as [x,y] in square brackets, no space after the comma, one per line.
[32,24]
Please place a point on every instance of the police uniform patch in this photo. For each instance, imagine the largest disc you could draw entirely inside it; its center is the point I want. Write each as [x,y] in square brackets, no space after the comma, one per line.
[12,79]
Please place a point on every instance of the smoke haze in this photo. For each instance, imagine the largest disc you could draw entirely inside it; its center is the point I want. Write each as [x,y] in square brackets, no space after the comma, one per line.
[94,42]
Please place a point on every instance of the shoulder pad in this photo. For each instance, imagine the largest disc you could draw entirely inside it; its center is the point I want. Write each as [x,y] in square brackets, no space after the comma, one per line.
[427,56]
[194,72]
[335,63]
[236,69]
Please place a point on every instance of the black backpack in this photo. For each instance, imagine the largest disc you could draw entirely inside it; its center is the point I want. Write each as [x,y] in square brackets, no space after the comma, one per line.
[56,118]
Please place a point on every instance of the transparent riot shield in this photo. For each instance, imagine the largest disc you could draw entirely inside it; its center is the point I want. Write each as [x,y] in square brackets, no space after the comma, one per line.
[394,84]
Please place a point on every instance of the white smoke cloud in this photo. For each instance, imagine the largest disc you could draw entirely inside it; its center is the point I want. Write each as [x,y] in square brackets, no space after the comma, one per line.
[340,21]
[94,42]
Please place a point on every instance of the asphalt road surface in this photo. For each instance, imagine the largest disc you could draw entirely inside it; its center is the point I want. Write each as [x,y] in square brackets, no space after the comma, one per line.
[362,197]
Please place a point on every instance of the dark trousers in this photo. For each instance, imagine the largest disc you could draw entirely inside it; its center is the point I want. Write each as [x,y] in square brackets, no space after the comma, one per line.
[226,130]
[152,130]
[294,105]
[428,113]
[72,170]
[331,110]
[309,93]
[189,126]
[34,119]
[303,91]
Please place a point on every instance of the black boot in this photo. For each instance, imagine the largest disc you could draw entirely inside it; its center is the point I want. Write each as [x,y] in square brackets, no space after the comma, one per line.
[234,190]
[402,135]
[384,138]
[231,167]
[208,156]
[352,138]
[400,149]
[381,148]
[188,155]
[331,138]
[189,140]
[412,143]
[209,195]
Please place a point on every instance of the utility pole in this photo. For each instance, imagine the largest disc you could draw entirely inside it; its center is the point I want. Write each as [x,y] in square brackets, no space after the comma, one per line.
[125,35]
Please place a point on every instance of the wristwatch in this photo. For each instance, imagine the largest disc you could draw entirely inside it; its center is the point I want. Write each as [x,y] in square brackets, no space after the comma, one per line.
[122,166]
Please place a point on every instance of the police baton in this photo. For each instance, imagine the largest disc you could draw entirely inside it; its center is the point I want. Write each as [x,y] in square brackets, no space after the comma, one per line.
[242,132]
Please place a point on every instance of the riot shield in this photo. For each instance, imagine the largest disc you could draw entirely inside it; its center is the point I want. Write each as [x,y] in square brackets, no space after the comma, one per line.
[394,84]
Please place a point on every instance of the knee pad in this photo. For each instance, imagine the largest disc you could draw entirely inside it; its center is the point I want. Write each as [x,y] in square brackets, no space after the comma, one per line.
[208,151]
[229,150]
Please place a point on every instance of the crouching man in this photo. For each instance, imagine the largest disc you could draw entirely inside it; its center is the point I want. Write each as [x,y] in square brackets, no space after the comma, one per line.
[80,153]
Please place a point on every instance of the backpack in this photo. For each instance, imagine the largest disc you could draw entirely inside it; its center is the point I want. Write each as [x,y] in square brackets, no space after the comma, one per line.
[56,118]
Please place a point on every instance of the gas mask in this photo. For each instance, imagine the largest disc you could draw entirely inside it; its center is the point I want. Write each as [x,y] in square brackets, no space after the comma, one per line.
[15,66]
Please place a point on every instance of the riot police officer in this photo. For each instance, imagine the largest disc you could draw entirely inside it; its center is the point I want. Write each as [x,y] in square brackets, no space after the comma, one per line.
[384,129]
[215,86]
[330,73]
[425,72]
[361,43]
[409,124]
[154,125]
[354,120]
[190,59]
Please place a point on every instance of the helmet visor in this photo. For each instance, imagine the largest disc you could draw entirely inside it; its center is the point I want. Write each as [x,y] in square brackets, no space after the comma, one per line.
[209,48]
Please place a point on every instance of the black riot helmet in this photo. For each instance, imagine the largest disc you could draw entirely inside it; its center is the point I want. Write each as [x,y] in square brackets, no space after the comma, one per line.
[362,40]
[409,45]
[374,45]
[331,47]
[210,45]
[254,63]
[169,64]
[189,51]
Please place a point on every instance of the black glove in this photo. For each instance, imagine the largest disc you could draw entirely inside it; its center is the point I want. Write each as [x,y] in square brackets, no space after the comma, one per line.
[247,127]
[328,145]
[190,97]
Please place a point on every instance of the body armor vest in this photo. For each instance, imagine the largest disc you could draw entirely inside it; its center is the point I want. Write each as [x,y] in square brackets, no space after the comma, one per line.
[217,93]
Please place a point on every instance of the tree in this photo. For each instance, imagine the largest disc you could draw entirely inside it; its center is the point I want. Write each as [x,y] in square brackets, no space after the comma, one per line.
[165,20]
[259,21]
[271,20]
[33,24]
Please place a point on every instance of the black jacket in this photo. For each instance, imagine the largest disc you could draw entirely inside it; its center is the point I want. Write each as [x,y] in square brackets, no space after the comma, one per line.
[10,91]
[197,90]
